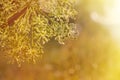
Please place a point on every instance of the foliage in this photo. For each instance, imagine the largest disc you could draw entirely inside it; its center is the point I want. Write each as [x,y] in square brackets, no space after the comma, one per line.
[26,25]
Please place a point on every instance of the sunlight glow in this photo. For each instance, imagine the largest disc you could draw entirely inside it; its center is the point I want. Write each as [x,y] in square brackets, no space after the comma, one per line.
[111,21]
[111,18]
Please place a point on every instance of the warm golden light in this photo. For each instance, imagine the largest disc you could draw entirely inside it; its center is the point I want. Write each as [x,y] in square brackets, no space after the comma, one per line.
[111,18]
[93,55]
[111,21]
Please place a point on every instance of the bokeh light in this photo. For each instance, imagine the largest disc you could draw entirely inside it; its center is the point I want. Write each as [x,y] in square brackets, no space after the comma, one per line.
[111,17]
[93,55]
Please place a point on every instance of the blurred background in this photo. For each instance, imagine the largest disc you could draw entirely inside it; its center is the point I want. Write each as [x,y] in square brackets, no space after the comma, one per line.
[94,55]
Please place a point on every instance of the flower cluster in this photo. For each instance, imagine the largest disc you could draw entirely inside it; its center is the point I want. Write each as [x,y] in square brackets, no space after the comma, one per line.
[26,25]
